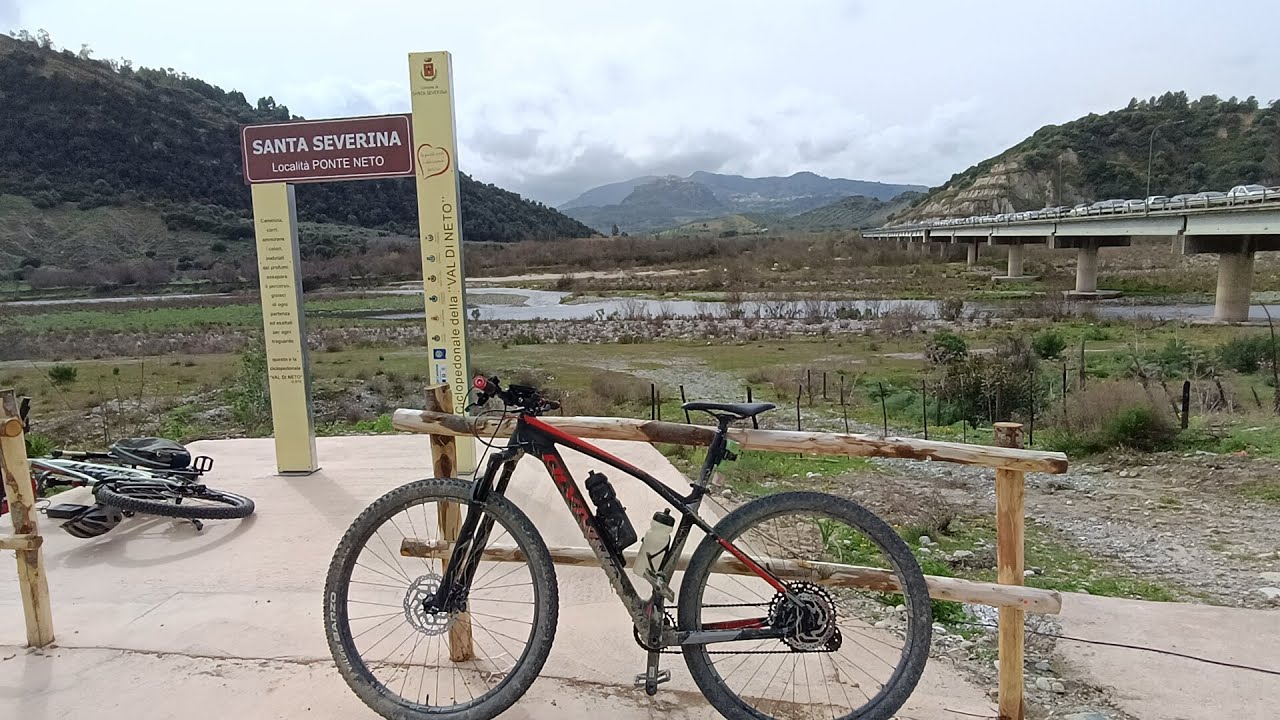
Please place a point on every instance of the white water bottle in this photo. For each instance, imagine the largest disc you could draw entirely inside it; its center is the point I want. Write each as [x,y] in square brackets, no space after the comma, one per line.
[653,548]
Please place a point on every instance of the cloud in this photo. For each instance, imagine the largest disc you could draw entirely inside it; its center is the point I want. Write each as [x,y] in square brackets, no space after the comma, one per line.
[556,97]
[10,15]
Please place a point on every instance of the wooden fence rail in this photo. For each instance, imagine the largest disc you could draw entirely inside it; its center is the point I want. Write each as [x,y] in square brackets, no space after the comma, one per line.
[26,540]
[1010,461]
[432,422]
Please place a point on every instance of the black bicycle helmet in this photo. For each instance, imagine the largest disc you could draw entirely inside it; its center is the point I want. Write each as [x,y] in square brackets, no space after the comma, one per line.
[151,452]
[93,521]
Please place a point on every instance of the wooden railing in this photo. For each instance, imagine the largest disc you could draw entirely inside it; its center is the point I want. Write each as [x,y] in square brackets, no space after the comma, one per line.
[25,540]
[1009,460]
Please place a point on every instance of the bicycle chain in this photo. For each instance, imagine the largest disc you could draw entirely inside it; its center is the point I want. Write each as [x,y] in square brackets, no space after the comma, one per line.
[667,611]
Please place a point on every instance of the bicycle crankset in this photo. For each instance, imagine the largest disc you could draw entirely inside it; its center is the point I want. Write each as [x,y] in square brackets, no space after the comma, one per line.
[811,622]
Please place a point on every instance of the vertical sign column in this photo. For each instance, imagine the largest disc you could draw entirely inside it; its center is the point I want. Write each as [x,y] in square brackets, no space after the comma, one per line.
[275,224]
[439,222]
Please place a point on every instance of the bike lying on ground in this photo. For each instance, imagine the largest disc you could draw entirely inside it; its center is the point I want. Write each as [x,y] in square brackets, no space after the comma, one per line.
[758,642]
[148,475]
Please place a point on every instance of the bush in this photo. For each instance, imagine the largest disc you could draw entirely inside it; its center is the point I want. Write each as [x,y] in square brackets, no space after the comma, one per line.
[950,309]
[945,347]
[61,375]
[619,388]
[1048,344]
[990,387]
[249,395]
[1109,415]
[1246,353]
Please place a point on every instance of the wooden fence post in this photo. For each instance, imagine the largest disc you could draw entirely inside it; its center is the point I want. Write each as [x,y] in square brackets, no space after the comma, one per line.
[26,540]
[444,463]
[1009,561]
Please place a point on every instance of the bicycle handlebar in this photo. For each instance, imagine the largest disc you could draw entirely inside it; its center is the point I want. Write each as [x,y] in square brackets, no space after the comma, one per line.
[527,398]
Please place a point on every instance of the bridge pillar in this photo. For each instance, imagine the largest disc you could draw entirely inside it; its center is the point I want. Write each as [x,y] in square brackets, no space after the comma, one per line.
[1235,268]
[1235,284]
[1017,252]
[972,258]
[1087,262]
[1087,267]
[1015,260]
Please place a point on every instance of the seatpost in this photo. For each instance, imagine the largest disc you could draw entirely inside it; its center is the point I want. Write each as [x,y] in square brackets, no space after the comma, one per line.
[715,451]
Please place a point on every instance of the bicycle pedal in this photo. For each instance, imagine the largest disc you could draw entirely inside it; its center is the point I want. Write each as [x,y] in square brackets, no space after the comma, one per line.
[642,680]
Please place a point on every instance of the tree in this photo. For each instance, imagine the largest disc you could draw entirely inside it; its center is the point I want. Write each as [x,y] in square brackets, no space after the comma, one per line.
[86,52]
[614,231]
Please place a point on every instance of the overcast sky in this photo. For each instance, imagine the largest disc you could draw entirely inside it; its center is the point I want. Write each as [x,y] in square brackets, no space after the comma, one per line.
[555,97]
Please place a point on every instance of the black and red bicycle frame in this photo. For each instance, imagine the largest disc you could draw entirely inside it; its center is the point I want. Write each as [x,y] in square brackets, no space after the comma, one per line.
[532,435]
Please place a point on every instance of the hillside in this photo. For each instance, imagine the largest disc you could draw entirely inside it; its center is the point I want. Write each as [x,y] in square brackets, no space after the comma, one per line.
[94,133]
[647,203]
[846,214]
[1206,144]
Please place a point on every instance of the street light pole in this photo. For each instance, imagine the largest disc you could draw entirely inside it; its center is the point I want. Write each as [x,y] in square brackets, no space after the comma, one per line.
[1151,144]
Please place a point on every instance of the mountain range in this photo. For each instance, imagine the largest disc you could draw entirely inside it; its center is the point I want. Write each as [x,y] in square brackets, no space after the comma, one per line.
[80,132]
[1192,146]
[653,203]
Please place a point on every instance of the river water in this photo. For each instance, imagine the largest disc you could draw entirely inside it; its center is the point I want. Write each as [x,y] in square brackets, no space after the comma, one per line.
[509,303]
[503,303]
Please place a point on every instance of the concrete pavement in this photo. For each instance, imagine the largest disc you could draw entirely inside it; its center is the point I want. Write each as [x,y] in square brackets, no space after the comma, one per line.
[155,620]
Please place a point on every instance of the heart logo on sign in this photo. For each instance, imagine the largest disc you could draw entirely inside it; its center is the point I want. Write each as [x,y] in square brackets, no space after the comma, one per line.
[432,160]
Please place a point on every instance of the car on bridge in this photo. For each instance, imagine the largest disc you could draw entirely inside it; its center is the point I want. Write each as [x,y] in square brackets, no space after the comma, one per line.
[1247,193]
[1157,202]
[1207,198]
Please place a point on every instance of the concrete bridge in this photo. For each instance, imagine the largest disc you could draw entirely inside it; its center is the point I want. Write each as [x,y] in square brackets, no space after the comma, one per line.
[1235,234]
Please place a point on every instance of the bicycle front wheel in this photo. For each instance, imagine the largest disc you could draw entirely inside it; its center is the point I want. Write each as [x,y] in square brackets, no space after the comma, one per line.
[405,662]
[172,498]
[838,659]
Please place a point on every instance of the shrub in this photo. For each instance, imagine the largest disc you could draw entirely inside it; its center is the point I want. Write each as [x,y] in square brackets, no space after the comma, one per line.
[1108,415]
[900,320]
[990,387]
[945,347]
[1246,353]
[61,375]
[950,309]
[1048,344]
[249,395]
[619,388]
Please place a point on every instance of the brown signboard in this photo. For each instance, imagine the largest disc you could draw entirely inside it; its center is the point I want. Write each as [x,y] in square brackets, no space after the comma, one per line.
[359,148]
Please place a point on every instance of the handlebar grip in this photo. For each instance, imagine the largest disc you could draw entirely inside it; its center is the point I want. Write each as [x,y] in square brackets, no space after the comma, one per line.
[485,385]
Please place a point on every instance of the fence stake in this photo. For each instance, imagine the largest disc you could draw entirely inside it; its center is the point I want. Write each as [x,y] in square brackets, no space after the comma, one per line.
[657,401]
[755,422]
[824,384]
[799,393]
[924,407]
[682,402]
[844,409]
[808,381]
[444,461]
[653,403]
[884,410]
[15,474]
[1010,531]
[1186,402]
[1031,428]
[1064,381]
[1082,363]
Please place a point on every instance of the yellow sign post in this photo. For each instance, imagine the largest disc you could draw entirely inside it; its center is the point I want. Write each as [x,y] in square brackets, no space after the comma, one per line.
[275,222]
[436,156]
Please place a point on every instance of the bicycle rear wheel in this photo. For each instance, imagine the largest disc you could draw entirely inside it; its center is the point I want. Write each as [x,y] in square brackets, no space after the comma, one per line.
[838,660]
[171,498]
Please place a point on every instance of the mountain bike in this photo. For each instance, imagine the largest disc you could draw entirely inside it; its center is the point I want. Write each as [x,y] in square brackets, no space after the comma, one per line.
[175,493]
[148,475]
[760,637]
